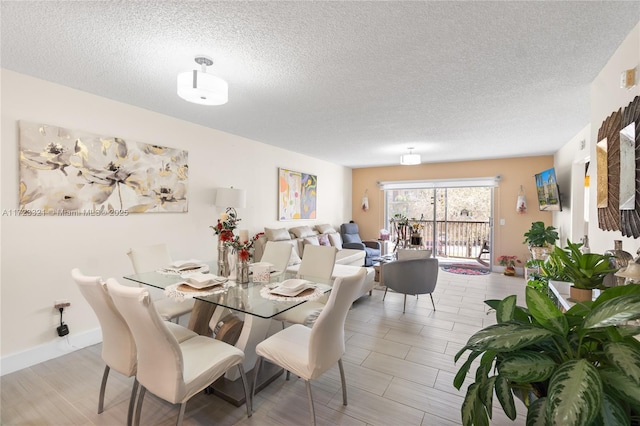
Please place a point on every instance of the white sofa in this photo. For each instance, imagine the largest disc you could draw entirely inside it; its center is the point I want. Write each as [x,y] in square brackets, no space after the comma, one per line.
[348,261]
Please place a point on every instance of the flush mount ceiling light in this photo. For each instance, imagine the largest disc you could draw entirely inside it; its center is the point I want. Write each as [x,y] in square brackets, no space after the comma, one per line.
[410,159]
[202,88]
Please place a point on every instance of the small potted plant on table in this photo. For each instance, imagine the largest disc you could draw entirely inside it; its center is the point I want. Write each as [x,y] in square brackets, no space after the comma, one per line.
[509,263]
[540,239]
[585,270]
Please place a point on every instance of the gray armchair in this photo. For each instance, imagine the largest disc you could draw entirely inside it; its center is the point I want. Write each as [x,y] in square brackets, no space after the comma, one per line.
[351,240]
[414,276]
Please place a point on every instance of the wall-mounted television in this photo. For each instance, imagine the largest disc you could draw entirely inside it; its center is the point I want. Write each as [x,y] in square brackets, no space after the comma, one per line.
[548,191]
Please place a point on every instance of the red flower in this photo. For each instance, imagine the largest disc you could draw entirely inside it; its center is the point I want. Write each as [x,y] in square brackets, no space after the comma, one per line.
[243,254]
[226,235]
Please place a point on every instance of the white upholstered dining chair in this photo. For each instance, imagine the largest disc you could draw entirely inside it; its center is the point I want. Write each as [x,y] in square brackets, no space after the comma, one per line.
[278,254]
[317,263]
[310,352]
[171,370]
[118,346]
[152,258]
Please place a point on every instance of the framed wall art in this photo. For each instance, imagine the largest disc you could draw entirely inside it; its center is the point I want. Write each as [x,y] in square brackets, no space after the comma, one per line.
[67,170]
[297,195]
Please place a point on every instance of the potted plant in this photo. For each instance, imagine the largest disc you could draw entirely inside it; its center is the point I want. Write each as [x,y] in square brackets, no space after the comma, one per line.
[540,238]
[580,367]
[585,270]
[509,263]
[554,272]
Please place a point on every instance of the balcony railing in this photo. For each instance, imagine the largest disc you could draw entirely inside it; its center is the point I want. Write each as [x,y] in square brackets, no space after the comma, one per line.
[462,239]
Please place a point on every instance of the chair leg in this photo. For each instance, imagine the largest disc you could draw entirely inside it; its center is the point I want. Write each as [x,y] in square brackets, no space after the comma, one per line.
[434,305]
[343,381]
[288,375]
[103,386]
[256,370]
[312,410]
[247,394]
[143,390]
[385,293]
[183,408]
[132,401]
[404,306]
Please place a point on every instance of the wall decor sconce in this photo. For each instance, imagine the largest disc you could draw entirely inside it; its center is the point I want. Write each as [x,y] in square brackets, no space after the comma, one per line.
[521,205]
[365,201]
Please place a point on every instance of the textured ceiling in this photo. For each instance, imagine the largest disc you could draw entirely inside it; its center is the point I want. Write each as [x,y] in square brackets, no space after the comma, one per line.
[354,83]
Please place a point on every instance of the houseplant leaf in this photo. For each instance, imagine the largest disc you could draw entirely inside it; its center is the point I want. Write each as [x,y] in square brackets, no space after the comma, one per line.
[546,313]
[535,415]
[626,358]
[620,386]
[527,367]
[507,337]
[613,312]
[485,394]
[468,406]
[617,291]
[464,369]
[506,308]
[611,413]
[503,392]
[575,394]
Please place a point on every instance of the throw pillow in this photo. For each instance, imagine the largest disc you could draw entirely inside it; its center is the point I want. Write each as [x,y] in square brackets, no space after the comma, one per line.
[311,241]
[325,229]
[279,234]
[335,240]
[302,231]
[294,259]
[323,240]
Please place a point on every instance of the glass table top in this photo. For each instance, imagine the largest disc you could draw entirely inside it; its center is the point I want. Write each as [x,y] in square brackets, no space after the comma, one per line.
[239,297]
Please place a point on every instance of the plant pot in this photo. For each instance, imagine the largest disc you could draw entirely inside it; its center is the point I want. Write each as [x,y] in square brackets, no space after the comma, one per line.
[540,253]
[509,271]
[580,295]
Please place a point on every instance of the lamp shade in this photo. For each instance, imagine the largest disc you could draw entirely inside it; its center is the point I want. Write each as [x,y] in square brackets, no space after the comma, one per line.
[202,88]
[410,159]
[231,197]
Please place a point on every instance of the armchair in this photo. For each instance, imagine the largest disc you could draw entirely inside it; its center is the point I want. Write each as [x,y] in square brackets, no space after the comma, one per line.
[351,240]
[413,276]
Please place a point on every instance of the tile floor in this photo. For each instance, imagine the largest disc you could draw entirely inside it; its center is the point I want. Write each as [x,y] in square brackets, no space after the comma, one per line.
[399,370]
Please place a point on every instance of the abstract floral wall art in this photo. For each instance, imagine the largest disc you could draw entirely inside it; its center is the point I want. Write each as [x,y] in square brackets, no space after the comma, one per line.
[297,194]
[73,170]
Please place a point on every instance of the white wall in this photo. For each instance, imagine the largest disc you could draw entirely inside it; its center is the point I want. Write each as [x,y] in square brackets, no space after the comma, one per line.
[37,253]
[607,97]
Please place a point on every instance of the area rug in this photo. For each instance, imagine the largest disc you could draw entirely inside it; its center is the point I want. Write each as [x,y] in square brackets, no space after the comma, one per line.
[465,269]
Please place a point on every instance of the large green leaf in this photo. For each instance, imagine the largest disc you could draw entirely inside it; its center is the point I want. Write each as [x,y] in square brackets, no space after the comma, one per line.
[535,415]
[613,312]
[617,291]
[546,312]
[493,303]
[575,394]
[611,413]
[507,337]
[460,352]
[485,394]
[626,358]
[503,392]
[527,367]
[468,405]
[506,308]
[464,369]
[620,385]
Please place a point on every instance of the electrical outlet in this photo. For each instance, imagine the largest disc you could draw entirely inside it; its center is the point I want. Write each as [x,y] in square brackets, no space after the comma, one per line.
[61,304]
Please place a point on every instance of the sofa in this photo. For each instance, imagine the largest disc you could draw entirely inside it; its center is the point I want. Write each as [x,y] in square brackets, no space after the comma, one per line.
[348,261]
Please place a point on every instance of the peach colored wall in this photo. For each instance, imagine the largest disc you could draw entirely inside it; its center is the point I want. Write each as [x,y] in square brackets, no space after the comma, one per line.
[514,171]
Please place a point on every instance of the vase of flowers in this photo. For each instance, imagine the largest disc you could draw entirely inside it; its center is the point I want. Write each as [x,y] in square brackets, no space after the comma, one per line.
[509,263]
[243,250]
[224,230]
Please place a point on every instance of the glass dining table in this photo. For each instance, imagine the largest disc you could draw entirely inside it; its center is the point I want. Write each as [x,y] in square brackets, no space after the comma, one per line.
[252,302]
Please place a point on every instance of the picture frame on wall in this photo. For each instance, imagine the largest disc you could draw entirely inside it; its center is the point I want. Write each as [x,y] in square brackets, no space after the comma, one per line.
[297,195]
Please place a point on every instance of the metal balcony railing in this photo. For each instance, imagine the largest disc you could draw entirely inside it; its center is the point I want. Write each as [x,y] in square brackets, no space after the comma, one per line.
[462,239]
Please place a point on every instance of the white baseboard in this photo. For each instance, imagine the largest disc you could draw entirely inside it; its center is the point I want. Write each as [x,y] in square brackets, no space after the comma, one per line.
[47,351]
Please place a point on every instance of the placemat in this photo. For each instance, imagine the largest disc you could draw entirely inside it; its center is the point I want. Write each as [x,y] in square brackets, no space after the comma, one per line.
[182,291]
[308,294]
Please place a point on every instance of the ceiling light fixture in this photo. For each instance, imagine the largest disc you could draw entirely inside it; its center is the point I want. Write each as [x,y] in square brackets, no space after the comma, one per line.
[202,88]
[410,159]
